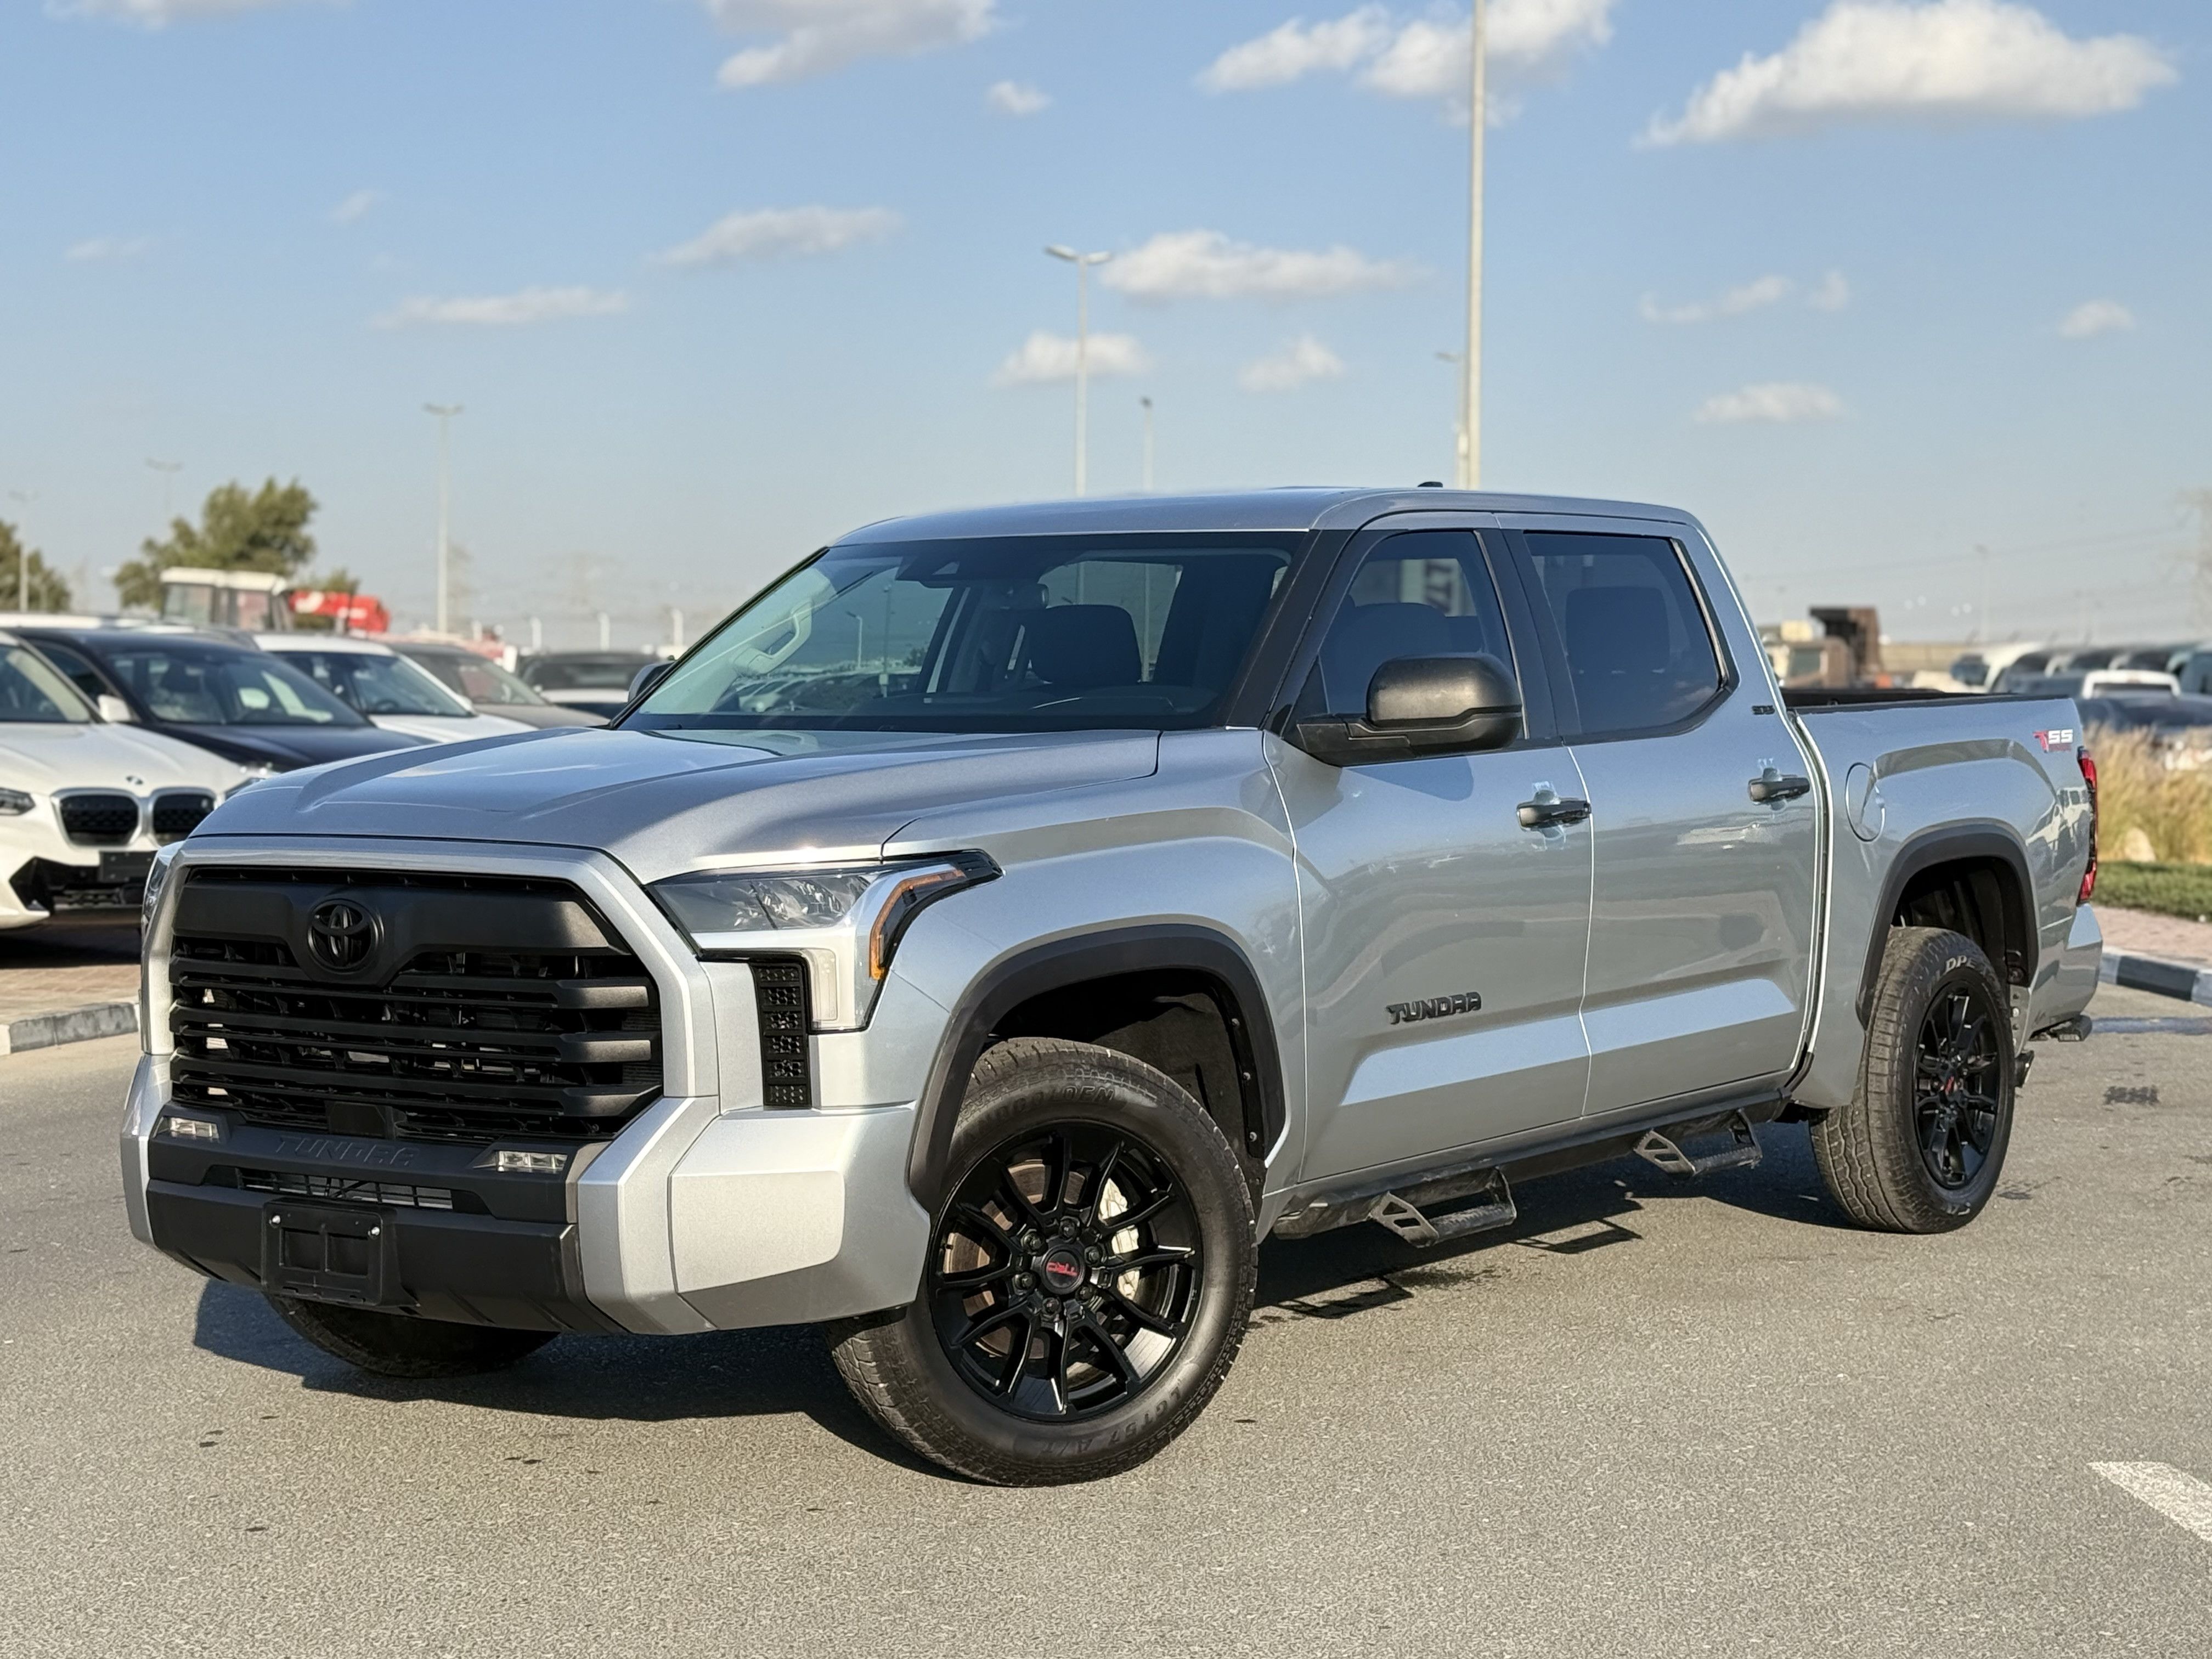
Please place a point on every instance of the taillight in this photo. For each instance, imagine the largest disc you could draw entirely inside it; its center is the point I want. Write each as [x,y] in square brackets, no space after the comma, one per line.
[2089,782]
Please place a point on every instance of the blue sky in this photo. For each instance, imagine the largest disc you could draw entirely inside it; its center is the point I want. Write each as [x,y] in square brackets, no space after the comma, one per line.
[1868,284]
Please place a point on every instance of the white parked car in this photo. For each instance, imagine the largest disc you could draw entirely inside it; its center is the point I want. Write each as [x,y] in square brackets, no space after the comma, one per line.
[83,804]
[2102,682]
[396,693]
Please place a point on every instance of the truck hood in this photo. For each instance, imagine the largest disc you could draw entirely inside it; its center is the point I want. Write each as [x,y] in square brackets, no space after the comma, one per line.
[37,754]
[663,802]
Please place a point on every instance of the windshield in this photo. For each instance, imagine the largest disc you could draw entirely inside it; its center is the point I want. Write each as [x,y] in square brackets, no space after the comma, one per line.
[377,684]
[584,673]
[30,689]
[1010,634]
[202,687]
[476,678]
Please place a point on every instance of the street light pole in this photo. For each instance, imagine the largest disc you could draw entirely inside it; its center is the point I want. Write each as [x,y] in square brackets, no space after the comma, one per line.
[1459,421]
[1470,392]
[23,555]
[1082,262]
[1147,403]
[168,470]
[445,413]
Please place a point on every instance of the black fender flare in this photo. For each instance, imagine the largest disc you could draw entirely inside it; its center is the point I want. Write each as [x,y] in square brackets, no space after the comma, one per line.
[1103,954]
[1986,839]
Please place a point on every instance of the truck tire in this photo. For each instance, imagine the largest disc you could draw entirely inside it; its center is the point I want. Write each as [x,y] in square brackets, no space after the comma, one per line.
[1090,1273]
[1922,1146]
[394,1345]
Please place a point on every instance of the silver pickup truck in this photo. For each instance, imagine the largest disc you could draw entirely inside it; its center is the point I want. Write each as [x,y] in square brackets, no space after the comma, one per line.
[992,932]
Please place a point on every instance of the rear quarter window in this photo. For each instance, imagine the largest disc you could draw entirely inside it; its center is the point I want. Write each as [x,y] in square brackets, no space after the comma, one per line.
[1639,652]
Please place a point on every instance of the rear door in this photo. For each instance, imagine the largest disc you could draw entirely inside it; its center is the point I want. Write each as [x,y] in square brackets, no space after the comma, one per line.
[1443,942]
[1703,900]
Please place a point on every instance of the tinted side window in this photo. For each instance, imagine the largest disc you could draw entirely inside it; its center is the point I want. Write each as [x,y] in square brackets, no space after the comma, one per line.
[1639,653]
[1425,593]
[82,674]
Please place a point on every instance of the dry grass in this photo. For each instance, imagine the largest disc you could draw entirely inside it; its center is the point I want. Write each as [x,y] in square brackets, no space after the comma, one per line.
[2133,791]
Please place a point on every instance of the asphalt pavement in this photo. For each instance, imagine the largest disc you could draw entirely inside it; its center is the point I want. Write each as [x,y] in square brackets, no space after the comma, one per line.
[1652,1421]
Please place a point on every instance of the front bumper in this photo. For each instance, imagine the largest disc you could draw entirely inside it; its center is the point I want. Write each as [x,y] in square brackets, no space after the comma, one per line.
[706,1212]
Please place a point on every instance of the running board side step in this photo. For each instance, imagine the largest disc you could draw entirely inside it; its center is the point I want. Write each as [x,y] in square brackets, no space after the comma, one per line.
[1494,1207]
[1663,1154]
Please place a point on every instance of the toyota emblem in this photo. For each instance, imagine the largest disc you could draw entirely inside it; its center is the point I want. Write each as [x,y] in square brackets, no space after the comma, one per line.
[342,934]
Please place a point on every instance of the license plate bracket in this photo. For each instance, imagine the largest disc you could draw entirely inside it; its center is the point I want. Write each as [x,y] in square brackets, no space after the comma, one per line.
[124,869]
[327,1253]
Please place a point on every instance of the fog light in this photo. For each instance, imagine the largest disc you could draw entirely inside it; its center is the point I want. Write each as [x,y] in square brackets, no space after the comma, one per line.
[191,1128]
[513,1162]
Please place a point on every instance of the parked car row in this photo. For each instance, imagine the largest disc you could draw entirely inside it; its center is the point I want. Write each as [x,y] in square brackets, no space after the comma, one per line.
[115,740]
[85,802]
[2024,667]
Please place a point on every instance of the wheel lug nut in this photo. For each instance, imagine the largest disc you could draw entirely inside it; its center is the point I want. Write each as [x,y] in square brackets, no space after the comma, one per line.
[1022,1281]
[1092,1255]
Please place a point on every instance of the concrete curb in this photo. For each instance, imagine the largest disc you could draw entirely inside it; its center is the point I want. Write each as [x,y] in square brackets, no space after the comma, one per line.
[95,1019]
[2182,980]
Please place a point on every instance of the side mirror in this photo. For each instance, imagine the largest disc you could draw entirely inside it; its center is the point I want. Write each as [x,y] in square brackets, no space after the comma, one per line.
[113,707]
[646,678]
[1422,706]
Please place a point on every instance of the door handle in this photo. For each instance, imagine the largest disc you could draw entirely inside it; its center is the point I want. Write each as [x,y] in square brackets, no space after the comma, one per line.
[1551,812]
[1771,789]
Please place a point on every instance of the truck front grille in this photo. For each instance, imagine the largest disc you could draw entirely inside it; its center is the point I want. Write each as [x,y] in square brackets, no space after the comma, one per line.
[489,1009]
[98,819]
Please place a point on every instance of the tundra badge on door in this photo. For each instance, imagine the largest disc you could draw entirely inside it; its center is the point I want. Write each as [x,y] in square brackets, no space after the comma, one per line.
[1460,1002]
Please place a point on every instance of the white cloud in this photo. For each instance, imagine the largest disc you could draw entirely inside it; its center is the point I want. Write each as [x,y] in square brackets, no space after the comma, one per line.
[2095,317]
[355,207]
[1301,360]
[96,248]
[1751,296]
[1781,402]
[1205,264]
[530,305]
[1871,60]
[1423,57]
[1834,293]
[1043,358]
[1014,98]
[819,36]
[1296,49]
[782,233]
[157,14]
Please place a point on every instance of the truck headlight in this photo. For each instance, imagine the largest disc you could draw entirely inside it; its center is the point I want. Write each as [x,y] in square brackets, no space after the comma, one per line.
[157,878]
[13,803]
[845,922]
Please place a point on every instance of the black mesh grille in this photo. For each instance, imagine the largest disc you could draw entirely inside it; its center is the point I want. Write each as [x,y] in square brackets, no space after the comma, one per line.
[349,1189]
[176,816]
[100,820]
[467,1040]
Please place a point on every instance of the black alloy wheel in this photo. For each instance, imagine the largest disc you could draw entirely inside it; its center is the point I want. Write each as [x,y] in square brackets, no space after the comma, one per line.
[1920,1146]
[1956,1088]
[1064,1271]
[1087,1270]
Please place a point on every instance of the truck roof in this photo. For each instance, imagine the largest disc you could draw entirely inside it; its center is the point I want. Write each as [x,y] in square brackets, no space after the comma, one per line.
[1300,508]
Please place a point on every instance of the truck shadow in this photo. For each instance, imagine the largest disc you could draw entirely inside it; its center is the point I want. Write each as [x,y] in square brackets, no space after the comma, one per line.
[784,1370]
[778,1370]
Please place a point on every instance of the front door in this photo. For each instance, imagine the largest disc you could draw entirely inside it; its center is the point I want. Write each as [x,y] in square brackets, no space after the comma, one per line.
[1701,927]
[1443,941]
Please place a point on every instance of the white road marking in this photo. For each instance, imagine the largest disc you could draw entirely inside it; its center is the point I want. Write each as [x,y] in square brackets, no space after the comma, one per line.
[2181,1498]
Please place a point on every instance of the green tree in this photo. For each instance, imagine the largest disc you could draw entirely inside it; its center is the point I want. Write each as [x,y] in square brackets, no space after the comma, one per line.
[264,529]
[48,591]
